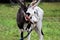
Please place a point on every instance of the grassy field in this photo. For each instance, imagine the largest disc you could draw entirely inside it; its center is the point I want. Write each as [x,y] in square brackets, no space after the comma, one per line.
[51,22]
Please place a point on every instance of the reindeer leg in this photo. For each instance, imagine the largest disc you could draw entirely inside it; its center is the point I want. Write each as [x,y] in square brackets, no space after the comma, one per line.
[39,26]
[21,34]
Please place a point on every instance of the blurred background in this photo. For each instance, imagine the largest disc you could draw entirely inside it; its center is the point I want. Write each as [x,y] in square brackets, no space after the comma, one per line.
[8,1]
[51,20]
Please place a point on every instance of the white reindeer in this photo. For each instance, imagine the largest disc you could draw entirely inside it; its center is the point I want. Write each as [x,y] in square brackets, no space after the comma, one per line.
[37,17]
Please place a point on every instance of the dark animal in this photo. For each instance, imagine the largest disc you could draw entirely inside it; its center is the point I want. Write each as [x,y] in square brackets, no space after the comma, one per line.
[21,18]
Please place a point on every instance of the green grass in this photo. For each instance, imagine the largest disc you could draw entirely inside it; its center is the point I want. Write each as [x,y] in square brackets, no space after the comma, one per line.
[51,22]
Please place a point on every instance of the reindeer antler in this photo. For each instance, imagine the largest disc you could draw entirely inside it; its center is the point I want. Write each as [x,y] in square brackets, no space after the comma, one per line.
[34,3]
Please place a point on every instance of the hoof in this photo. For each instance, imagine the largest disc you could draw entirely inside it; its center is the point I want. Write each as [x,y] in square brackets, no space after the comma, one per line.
[21,39]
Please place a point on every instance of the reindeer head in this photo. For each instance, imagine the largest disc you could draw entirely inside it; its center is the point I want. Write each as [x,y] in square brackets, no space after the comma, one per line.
[31,13]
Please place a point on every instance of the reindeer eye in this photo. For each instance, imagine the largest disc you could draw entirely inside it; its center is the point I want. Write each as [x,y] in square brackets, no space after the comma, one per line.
[35,12]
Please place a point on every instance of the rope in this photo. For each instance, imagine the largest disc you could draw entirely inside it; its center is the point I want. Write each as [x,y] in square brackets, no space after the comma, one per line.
[27,35]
